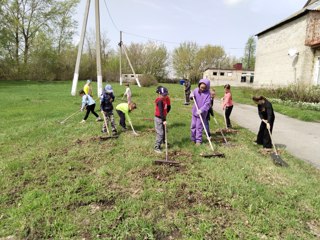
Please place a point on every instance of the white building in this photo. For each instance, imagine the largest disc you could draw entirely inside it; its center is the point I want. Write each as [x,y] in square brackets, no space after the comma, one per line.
[289,52]
[234,77]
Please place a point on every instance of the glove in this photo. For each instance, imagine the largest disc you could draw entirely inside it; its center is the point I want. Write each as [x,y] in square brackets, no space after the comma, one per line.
[199,111]
[81,109]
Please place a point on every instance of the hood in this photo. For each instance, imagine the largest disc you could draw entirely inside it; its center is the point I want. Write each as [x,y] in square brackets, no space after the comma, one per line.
[206,82]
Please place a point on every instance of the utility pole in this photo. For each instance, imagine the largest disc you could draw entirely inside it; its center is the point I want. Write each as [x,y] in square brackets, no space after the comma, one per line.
[120,53]
[123,47]
[80,48]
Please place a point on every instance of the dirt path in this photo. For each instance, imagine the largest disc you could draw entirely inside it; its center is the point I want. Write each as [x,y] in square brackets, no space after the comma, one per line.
[302,139]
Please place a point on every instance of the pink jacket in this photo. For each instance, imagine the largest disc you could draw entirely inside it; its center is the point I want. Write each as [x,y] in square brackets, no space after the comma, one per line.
[227,100]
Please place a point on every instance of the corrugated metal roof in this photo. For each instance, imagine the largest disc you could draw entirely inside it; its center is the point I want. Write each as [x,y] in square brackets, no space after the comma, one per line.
[313,6]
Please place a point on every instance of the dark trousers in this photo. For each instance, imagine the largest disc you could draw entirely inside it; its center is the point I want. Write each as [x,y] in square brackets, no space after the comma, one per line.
[122,121]
[228,111]
[90,108]
[263,137]
[187,94]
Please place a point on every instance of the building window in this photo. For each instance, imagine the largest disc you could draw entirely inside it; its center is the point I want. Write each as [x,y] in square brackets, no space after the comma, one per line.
[251,78]
[214,73]
[132,76]
[243,78]
[221,73]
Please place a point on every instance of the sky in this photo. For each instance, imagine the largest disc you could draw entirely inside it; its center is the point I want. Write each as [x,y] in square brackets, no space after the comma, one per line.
[227,23]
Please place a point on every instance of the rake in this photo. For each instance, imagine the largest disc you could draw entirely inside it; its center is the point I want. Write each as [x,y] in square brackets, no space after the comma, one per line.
[166,161]
[106,124]
[73,114]
[275,156]
[213,154]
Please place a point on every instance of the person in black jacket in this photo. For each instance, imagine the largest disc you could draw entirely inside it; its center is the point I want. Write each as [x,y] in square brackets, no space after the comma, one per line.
[106,106]
[267,117]
[187,91]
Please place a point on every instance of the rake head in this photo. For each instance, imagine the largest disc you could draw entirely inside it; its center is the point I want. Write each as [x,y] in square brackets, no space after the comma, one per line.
[166,162]
[278,160]
[212,155]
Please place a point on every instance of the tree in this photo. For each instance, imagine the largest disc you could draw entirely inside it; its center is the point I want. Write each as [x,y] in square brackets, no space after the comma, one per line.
[23,21]
[184,59]
[210,56]
[148,58]
[250,54]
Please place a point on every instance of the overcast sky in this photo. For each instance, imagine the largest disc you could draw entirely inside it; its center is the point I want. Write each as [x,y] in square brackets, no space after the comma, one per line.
[228,23]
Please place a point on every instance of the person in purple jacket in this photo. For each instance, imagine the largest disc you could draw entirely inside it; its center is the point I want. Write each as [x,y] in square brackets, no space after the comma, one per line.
[202,97]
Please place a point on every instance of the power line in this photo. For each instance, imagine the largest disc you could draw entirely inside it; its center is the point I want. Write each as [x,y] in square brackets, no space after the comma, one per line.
[110,16]
[145,37]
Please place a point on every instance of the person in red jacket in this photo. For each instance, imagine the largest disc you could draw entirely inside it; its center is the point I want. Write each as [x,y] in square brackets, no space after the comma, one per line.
[162,108]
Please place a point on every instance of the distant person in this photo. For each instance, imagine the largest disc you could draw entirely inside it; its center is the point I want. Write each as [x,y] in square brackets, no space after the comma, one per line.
[210,112]
[227,105]
[202,97]
[88,88]
[162,108]
[123,110]
[187,91]
[89,104]
[106,107]
[266,114]
[127,93]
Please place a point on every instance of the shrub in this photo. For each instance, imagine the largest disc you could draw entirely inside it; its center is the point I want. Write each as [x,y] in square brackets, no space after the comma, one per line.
[147,80]
[294,92]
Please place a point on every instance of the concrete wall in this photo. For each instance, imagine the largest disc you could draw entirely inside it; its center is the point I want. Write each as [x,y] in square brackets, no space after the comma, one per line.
[273,65]
[316,70]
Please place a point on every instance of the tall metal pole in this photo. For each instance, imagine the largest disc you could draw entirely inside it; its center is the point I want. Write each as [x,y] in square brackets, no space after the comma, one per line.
[98,49]
[120,53]
[80,47]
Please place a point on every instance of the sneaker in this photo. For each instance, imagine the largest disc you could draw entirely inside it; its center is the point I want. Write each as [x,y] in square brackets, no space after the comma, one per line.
[98,119]
[198,143]
[157,149]
[186,103]
[114,133]
[83,121]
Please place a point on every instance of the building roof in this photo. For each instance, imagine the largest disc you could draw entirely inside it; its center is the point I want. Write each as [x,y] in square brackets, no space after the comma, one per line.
[311,5]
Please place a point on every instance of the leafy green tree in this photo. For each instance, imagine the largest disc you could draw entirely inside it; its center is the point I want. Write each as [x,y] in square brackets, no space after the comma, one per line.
[184,59]
[249,57]
[210,56]
[23,21]
[147,58]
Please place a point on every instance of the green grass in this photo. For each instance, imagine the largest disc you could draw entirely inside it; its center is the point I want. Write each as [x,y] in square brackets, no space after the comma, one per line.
[58,181]
[244,95]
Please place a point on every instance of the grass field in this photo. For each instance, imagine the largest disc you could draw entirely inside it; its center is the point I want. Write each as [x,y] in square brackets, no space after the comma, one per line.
[59,181]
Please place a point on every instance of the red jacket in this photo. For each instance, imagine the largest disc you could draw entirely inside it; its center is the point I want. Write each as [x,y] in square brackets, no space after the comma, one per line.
[162,107]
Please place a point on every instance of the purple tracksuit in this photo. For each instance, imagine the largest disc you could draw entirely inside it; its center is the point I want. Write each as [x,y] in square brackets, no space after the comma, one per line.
[203,102]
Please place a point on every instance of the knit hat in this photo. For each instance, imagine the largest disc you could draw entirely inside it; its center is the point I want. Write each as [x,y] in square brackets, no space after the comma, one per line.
[108,88]
[89,81]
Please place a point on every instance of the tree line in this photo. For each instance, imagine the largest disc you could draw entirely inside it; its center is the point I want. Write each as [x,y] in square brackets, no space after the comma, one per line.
[36,43]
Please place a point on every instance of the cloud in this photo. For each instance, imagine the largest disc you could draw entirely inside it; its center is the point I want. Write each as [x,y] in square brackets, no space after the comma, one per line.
[233,2]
